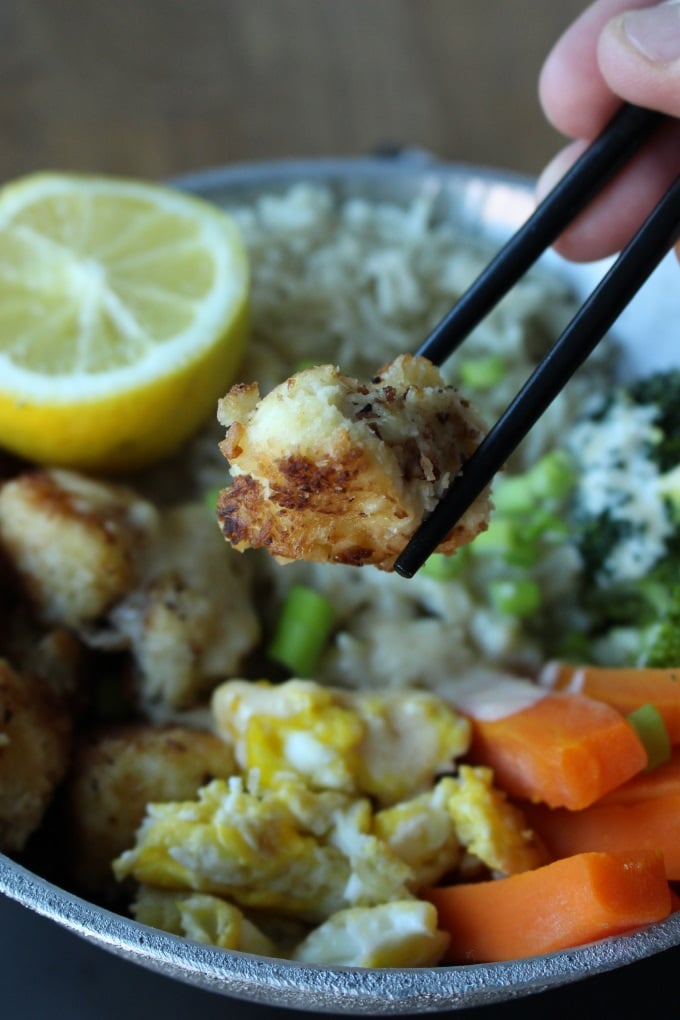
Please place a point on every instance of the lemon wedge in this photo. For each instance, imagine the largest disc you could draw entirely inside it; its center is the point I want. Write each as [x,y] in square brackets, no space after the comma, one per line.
[123,316]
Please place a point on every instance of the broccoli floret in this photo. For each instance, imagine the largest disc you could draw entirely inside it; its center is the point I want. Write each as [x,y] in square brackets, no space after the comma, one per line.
[626,521]
[624,512]
[662,645]
[597,539]
[638,623]
[662,391]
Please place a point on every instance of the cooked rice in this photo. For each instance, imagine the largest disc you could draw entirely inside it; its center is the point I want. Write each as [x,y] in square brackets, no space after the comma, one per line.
[355,284]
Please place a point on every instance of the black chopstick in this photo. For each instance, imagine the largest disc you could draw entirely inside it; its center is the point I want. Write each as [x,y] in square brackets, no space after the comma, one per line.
[624,134]
[632,268]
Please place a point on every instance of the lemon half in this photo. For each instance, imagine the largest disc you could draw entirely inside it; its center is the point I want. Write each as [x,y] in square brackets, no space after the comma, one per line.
[123,316]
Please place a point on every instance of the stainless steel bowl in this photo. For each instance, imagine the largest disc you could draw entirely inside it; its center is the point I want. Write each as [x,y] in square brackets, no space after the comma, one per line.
[491,205]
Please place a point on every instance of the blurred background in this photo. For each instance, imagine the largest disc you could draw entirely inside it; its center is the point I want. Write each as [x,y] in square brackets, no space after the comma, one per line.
[159,87]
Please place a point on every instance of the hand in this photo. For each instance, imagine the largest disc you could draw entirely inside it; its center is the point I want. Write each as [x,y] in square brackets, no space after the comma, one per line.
[609,54]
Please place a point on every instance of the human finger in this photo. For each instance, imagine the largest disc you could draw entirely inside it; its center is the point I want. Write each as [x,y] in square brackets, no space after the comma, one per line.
[639,57]
[612,218]
[574,94]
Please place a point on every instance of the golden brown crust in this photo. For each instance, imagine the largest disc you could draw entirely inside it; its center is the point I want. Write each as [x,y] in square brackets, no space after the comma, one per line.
[116,772]
[35,741]
[329,469]
[72,542]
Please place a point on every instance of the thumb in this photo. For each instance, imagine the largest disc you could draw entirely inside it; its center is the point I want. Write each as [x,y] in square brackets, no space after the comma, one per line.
[639,56]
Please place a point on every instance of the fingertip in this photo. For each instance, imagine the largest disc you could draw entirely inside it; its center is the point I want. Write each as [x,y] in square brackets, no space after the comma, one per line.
[572,91]
[639,57]
[563,83]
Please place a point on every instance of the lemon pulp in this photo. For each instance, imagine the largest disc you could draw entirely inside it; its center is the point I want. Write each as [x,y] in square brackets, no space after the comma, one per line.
[123,316]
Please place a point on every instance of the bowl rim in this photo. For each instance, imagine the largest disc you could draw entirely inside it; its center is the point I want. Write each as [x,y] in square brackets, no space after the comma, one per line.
[368,991]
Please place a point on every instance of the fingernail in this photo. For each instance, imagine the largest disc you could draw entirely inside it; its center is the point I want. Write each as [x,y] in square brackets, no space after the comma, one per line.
[655,31]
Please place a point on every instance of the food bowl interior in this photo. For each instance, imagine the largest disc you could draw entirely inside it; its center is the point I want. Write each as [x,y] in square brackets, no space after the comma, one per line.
[485,204]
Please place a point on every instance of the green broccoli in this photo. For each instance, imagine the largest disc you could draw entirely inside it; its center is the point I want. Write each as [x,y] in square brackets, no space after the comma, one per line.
[597,538]
[662,390]
[628,535]
[661,643]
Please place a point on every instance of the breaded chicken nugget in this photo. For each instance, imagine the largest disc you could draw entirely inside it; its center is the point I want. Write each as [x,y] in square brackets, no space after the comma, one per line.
[326,468]
[190,620]
[72,541]
[115,774]
[35,742]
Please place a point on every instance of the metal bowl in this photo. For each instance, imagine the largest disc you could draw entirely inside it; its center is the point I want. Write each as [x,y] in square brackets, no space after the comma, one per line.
[491,205]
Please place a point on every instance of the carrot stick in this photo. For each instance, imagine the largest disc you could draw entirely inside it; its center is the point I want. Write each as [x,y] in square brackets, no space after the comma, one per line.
[663,781]
[626,689]
[565,750]
[644,824]
[563,904]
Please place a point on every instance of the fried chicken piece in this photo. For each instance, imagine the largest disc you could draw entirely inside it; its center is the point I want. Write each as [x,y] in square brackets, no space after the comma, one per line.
[115,774]
[72,542]
[326,468]
[190,620]
[127,576]
[36,727]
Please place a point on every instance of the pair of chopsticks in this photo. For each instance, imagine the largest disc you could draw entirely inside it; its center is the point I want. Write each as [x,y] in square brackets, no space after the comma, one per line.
[620,139]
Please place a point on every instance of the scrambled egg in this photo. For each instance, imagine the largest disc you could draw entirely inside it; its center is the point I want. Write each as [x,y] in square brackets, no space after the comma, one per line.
[288,849]
[490,827]
[333,739]
[316,830]
[400,934]
[202,918]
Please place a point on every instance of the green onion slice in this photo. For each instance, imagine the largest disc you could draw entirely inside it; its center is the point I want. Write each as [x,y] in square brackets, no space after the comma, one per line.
[302,630]
[516,596]
[481,373]
[444,568]
[648,723]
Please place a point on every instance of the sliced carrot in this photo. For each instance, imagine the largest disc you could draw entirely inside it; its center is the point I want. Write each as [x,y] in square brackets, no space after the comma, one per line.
[643,812]
[663,781]
[652,824]
[624,688]
[565,750]
[563,904]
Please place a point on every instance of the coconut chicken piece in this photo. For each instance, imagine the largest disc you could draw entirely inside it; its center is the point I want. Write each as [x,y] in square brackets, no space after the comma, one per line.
[190,620]
[115,772]
[36,728]
[73,542]
[129,576]
[329,469]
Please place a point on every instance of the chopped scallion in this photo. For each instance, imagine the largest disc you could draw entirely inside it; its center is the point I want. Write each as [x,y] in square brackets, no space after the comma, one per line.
[210,498]
[648,723]
[481,373]
[517,597]
[553,476]
[302,630]
[506,539]
[444,568]
[513,495]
